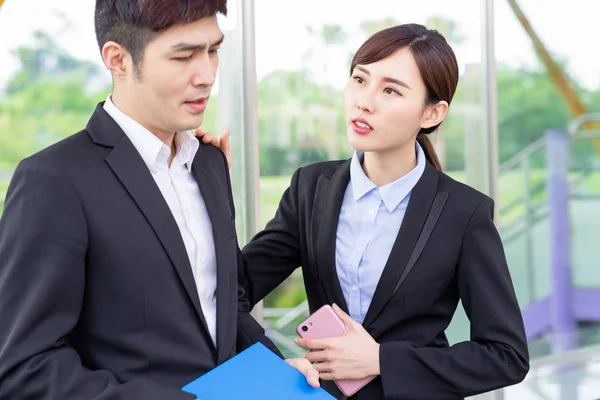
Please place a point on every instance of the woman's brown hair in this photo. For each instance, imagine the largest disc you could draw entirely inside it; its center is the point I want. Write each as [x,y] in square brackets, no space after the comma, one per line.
[434,58]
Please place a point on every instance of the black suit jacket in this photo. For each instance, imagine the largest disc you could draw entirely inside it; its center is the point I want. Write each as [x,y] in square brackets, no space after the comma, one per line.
[447,249]
[97,296]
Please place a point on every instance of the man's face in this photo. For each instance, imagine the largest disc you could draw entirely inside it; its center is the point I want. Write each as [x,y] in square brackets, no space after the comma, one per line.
[175,76]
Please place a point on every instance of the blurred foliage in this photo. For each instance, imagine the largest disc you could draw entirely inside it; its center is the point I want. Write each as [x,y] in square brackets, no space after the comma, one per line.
[51,96]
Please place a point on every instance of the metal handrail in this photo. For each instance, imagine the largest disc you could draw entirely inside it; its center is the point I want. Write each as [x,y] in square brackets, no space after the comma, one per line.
[587,134]
[578,355]
[536,188]
[522,155]
[290,316]
[538,205]
[575,125]
[273,329]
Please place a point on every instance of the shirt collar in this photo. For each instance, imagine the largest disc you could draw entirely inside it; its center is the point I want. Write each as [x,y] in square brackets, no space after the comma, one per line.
[152,150]
[392,193]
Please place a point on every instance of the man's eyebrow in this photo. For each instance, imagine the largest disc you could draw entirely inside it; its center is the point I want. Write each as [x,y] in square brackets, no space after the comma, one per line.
[184,46]
[218,42]
[386,79]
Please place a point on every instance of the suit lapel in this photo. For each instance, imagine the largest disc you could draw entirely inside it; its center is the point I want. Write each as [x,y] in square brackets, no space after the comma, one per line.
[432,217]
[130,169]
[221,217]
[416,214]
[132,172]
[326,214]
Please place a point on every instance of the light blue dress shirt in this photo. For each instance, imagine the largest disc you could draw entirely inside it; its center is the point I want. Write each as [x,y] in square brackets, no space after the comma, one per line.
[370,219]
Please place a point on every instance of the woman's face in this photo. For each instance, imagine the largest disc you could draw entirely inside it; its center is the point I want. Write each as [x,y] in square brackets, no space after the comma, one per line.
[386,103]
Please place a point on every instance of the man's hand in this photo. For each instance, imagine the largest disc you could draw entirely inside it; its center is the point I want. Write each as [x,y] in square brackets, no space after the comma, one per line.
[352,356]
[307,369]
[222,142]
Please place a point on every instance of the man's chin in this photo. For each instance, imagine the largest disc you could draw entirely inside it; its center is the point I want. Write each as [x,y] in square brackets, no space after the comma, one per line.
[191,124]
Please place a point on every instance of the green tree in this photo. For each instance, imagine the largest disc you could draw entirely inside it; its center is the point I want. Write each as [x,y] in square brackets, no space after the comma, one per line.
[528,105]
[291,121]
[47,58]
[328,37]
[50,97]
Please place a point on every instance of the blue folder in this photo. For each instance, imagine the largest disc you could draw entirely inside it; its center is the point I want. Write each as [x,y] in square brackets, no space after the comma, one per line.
[255,373]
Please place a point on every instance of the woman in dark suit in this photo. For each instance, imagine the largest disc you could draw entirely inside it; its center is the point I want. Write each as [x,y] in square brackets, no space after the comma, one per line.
[396,243]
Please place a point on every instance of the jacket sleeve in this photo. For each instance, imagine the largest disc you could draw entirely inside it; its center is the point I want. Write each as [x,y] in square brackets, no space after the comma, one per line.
[43,242]
[274,253]
[496,356]
[249,331]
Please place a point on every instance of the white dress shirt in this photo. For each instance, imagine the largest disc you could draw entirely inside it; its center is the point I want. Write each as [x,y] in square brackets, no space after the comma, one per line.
[181,192]
[370,220]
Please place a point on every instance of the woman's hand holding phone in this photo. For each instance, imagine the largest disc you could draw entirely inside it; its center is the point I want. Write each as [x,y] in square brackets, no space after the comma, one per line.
[353,355]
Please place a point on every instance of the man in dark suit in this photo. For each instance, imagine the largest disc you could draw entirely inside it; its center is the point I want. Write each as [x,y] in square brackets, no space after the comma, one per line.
[118,251]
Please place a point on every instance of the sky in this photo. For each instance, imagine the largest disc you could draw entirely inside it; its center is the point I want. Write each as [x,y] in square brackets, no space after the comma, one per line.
[282,40]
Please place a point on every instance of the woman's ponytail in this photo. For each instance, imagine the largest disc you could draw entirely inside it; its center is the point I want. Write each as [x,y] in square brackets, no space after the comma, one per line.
[429,151]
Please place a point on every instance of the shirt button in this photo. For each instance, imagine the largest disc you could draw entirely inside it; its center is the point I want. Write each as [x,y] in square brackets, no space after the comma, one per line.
[354,288]
[371,212]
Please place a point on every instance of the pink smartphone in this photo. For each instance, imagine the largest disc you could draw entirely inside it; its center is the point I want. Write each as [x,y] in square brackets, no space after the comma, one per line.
[325,323]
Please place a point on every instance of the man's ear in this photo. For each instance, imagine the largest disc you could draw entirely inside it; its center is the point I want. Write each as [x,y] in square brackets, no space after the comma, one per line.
[434,114]
[117,59]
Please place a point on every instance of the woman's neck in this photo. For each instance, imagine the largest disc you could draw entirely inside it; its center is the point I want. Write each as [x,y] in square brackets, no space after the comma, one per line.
[384,167]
